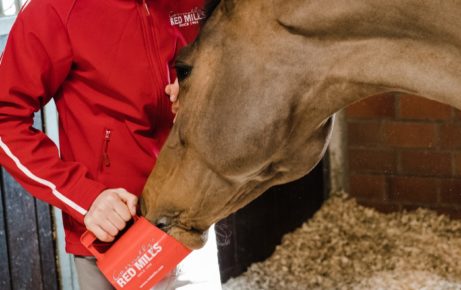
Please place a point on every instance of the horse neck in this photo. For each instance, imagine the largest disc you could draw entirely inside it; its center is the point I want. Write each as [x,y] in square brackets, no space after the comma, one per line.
[414,46]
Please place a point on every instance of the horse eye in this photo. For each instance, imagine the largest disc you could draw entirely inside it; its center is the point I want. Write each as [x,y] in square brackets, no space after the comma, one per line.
[183,71]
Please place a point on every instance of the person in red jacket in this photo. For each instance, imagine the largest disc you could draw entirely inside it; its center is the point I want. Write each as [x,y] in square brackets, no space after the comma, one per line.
[106,64]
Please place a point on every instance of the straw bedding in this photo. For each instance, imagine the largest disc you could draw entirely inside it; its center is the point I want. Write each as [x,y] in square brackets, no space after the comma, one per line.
[348,246]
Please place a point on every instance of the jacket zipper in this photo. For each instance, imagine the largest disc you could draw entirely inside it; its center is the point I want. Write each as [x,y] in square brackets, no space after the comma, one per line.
[105,154]
[146,7]
[150,37]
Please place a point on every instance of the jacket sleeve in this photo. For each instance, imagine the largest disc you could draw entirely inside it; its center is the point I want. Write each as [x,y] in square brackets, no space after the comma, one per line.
[34,64]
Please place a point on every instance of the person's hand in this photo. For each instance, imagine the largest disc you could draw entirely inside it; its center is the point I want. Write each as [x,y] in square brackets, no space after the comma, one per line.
[110,212]
[172,90]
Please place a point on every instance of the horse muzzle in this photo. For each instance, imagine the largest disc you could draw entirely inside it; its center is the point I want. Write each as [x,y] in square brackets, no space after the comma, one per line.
[193,239]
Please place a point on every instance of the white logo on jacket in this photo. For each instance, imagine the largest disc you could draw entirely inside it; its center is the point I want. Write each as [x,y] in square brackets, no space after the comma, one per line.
[185,19]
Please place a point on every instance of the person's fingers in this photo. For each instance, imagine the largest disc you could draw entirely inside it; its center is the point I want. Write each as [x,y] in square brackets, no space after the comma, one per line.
[168,91]
[173,91]
[130,200]
[100,233]
[175,107]
[101,220]
[116,220]
[109,213]
[175,88]
[122,210]
[109,227]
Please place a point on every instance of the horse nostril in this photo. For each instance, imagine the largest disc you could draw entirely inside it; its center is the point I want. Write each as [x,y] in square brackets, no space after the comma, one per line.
[163,223]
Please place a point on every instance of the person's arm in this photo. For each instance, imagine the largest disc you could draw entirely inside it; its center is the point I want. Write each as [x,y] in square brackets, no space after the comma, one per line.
[36,61]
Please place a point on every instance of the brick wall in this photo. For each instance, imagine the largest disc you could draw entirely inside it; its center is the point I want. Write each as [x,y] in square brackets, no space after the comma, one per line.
[405,152]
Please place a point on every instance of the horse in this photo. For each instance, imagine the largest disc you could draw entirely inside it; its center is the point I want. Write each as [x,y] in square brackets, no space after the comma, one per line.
[262,82]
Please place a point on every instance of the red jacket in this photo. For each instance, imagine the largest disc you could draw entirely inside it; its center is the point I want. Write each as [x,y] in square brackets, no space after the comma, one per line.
[106,64]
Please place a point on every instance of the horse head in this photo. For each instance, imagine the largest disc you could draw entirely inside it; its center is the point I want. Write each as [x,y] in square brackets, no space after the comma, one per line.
[261,82]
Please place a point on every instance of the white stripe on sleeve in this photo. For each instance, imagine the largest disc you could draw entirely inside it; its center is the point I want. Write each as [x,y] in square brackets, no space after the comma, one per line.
[42,181]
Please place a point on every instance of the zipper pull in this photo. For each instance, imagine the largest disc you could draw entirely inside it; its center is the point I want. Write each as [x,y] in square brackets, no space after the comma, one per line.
[105,156]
